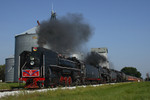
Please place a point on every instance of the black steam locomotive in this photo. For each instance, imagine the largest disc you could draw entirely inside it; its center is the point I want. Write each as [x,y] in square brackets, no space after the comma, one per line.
[43,68]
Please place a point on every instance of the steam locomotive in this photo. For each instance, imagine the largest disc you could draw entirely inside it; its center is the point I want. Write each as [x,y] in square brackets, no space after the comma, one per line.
[45,68]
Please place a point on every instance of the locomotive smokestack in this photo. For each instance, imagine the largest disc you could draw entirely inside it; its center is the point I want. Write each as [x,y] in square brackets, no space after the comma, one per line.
[38,22]
[65,33]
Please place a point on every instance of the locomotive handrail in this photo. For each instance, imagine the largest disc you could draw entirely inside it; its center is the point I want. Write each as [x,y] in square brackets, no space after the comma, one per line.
[23,65]
[65,67]
[44,66]
[68,60]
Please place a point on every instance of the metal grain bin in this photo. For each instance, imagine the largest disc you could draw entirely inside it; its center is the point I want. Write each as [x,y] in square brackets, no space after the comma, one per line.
[9,69]
[23,42]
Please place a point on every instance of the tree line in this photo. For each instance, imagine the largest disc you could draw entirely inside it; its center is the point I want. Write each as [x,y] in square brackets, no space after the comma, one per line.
[131,71]
[2,72]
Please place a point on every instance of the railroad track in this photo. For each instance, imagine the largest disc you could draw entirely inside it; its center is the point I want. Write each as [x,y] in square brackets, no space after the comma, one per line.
[8,90]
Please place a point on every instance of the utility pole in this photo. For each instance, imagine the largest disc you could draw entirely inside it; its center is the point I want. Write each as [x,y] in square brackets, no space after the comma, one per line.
[147,77]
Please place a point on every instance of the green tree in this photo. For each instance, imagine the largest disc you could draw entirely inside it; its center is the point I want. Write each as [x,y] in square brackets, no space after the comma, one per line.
[2,72]
[131,71]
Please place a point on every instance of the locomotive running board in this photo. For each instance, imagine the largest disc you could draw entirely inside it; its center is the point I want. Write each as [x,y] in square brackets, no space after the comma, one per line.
[61,67]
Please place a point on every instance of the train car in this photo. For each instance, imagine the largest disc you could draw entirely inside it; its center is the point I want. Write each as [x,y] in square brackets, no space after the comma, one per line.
[45,67]
[92,74]
[33,66]
[105,75]
[132,79]
[42,67]
[113,75]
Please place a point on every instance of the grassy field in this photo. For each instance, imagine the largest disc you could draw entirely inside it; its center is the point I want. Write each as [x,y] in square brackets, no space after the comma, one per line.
[10,85]
[121,91]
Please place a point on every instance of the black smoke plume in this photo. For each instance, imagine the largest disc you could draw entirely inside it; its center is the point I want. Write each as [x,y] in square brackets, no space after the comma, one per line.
[94,59]
[67,33]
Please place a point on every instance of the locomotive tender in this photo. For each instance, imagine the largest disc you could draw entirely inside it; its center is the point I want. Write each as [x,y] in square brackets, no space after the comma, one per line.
[42,67]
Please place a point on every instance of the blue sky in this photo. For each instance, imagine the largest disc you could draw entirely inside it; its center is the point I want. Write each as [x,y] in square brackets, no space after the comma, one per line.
[123,26]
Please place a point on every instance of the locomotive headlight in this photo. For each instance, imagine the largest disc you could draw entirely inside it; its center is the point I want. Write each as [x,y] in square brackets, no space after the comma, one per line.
[31,58]
[32,63]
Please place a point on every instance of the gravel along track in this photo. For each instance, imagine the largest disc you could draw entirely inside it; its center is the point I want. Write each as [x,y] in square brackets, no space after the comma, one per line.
[4,93]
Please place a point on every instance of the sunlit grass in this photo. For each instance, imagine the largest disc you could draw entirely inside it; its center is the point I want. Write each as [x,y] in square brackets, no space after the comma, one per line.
[122,91]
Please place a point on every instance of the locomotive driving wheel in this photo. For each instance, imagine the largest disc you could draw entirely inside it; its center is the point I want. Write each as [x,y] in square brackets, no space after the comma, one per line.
[69,81]
[77,82]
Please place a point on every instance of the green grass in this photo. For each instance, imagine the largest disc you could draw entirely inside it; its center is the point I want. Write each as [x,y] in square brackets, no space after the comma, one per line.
[10,85]
[121,91]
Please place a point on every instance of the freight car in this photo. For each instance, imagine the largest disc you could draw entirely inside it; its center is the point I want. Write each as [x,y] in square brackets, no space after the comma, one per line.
[43,68]
[132,79]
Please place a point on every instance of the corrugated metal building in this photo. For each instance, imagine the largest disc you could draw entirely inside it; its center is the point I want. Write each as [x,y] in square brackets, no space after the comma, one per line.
[9,69]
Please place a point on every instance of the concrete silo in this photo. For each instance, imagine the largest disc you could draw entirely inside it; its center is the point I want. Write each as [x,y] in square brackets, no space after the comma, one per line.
[23,42]
[9,69]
